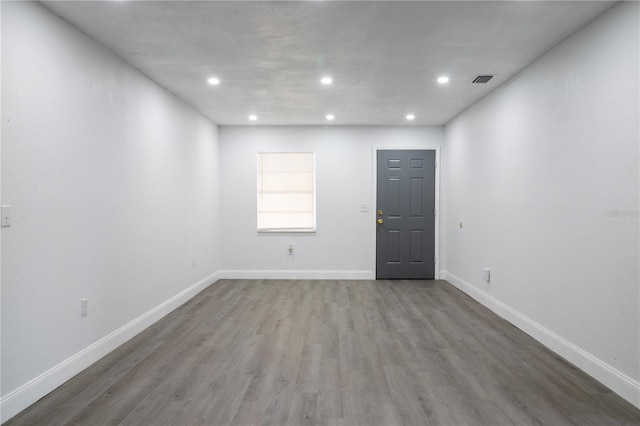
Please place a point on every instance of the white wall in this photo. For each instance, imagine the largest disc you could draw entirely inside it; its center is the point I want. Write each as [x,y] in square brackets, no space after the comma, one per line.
[343,246]
[532,172]
[113,187]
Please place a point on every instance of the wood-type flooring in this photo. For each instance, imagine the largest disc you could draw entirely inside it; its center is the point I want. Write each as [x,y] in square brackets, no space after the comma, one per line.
[338,353]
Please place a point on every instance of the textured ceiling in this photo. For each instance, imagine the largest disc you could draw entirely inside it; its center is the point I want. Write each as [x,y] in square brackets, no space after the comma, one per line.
[384,56]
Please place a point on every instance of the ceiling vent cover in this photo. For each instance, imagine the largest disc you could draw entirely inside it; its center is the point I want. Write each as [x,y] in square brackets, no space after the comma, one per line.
[481,79]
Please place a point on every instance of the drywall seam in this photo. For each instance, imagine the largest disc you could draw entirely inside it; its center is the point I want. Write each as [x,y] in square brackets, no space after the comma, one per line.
[615,380]
[22,397]
[279,274]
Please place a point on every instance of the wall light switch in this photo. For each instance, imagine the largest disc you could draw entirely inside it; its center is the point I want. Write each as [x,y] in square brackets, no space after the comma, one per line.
[364,207]
[6,216]
[487,274]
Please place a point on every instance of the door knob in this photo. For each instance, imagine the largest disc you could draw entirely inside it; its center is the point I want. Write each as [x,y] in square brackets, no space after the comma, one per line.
[380,221]
[379,212]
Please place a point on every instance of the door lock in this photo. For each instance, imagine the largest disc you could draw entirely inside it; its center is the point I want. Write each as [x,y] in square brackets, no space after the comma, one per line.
[379,212]
[380,221]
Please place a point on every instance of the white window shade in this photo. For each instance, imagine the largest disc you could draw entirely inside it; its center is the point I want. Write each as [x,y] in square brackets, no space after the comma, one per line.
[286,192]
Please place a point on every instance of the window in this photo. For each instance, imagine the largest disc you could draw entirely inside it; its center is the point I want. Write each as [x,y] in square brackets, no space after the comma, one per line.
[286,192]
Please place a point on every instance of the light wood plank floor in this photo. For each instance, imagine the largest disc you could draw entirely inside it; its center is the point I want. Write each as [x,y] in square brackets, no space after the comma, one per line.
[276,352]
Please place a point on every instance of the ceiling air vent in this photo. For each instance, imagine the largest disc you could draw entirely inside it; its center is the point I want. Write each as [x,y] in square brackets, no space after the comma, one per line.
[481,79]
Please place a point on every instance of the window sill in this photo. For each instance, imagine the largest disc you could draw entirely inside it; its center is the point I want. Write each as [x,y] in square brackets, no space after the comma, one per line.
[288,231]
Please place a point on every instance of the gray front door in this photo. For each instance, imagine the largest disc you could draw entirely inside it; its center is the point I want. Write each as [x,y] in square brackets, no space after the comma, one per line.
[405,214]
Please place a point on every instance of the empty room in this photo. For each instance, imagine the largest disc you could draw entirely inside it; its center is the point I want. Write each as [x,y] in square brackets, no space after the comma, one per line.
[320,212]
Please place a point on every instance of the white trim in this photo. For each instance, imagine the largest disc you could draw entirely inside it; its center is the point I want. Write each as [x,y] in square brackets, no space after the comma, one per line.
[19,399]
[618,382]
[283,274]
[286,230]
[374,186]
[436,234]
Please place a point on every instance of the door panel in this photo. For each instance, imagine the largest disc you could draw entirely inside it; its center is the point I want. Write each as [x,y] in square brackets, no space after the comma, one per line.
[393,246]
[393,202]
[416,197]
[417,241]
[405,240]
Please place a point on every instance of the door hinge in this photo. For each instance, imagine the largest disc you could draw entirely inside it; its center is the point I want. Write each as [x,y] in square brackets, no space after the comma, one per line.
[435,212]
[435,260]
[435,164]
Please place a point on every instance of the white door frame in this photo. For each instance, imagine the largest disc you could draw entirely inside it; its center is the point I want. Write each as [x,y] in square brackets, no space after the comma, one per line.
[374,204]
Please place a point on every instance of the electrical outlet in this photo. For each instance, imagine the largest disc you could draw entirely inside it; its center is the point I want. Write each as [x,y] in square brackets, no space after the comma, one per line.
[84,307]
[290,249]
[487,274]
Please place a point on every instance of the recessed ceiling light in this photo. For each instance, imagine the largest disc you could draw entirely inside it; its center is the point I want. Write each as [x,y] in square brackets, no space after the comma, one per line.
[443,79]
[330,117]
[326,80]
[253,117]
[410,117]
[214,81]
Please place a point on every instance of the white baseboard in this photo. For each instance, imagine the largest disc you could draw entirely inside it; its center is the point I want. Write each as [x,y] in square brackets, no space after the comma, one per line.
[24,396]
[19,399]
[615,380]
[281,274]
